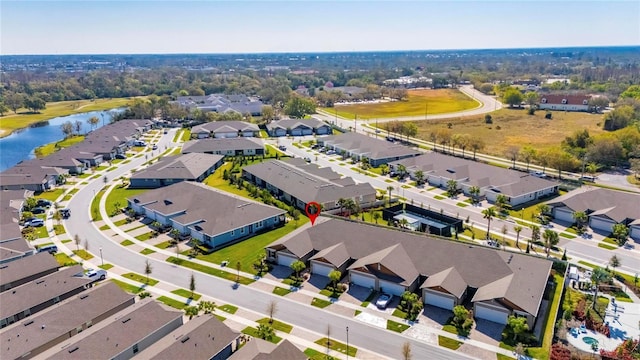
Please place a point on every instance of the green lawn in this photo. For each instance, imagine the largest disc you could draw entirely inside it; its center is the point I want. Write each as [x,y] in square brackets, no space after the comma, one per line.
[42,232]
[503,357]
[140,278]
[163,245]
[145,236]
[147,251]
[120,222]
[449,343]
[611,241]
[173,303]
[605,246]
[248,250]
[228,308]
[313,354]
[64,260]
[209,270]
[281,291]
[276,325]
[105,266]
[186,294]
[399,313]
[51,195]
[133,289]
[119,195]
[396,326]
[48,149]
[320,303]
[127,242]
[337,346]
[83,254]
[95,206]
[462,204]
[439,197]
[251,331]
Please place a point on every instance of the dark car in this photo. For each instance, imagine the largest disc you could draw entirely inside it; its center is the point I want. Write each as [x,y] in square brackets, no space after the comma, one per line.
[65,213]
[44,203]
[282,147]
[121,156]
[38,210]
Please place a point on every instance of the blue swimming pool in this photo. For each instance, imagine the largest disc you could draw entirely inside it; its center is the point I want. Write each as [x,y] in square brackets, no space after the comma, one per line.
[589,340]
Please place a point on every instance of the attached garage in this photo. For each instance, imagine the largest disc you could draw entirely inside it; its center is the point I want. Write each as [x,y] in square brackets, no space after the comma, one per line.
[563,214]
[285,259]
[296,132]
[226,135]
[438,299]
[491,313]
[391,288]
[323,130]
[307,131]
[598,223]
[634,232]
[320,268]
[362,279]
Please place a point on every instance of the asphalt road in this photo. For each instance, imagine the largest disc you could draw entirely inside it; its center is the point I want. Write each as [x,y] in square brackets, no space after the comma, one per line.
[361,335]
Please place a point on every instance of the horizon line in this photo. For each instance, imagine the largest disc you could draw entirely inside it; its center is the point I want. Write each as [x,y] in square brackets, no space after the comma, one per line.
[333,52]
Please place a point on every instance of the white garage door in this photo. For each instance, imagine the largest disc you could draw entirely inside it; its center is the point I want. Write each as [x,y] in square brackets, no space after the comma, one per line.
[487,313]
[601,224]
[318,268]
[635,232]
[564,215]
[391,288]
[307,132]
[363,280]
[285,260]
[296,132]
[438,300]
[227,135]
[322,130]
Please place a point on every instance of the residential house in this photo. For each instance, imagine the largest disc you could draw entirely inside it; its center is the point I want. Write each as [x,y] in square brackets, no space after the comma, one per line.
[359,146]
[30,298]
[31,175]
[603,207]
[12,245]
[416,218]
[226,129]
[45,330]
[126,334]
[226,147]
[446,273]
[212,217]
[299,183]
[298,127]
[564,102]
[222,103]
[26,269]
[258,349]
[201,338]
[438,169]
[174,169]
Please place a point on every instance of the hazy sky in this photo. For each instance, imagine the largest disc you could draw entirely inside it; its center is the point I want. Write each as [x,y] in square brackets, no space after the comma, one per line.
[89,26]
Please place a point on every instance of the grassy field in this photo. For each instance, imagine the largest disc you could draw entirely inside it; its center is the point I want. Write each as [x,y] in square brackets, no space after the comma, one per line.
[449,343]
[228,308]
[50,195]
[209,270]
[23,118]
[438,101]
[119,196]
[50,148]
[276,325]
[251,331]
[513,127]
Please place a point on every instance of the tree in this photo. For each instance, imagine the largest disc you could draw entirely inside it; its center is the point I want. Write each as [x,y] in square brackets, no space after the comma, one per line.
[335,276]
[535,233]
[512,154]
[531,98]
[517,325]
[620,233]
[14,101]
[192,285]
[581,220]
[67,128]
[635,167]
[527,154]
[406,351]
[268,113]
[297,266]
[517,230]
[297,107]
[265,332]
[389,189]
[148,269]
[419,175]
[489,214]
[402,171]
[504,232]
[476,145]
[57,217]
[76,240]
[550,239]
[191,311]
[512,96]
[452,188]
[474,191]
[272,308]
[614,262]
[93,122]
[410,130]
[207,306]
[3,108]
[238,268]
[35,104]
[501,202]
[77,125]
[598,276]
[376,216]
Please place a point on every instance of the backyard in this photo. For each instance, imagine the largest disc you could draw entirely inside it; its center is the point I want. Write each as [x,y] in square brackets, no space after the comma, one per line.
[433,101]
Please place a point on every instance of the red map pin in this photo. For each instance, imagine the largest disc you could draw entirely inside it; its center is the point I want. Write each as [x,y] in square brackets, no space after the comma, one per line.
[313,210]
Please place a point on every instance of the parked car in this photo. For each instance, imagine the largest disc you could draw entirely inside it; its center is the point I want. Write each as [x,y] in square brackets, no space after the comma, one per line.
[43,203]
[121,156]
[96,274]
[383,301]
[282,147]
[331,152]
[154,147]
[165,132]
[65,213]
[34,223]
[51,249]
[38,210]
[307,159]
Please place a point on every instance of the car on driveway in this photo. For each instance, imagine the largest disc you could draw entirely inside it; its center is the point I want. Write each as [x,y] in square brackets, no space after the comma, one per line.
[38,210]
[34,223]
[282,147]
[96,274]
[121,156]
[43,203]
[154,147]
[383,301]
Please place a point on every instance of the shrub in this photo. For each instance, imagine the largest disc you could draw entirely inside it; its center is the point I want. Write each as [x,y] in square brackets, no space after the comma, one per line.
[548,115]
[488,119]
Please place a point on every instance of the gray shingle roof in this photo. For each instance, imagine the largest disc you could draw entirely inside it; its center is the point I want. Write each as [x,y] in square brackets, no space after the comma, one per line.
[336,255]
[368,146]
[26,267]
[220,144]
[448,279]
[258,349]
[394,258]
[616,205]
[226,126]
[188,167]
[294,123]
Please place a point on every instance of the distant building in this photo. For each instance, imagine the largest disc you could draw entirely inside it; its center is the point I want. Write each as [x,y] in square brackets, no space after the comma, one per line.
[298,127]
[359,146]
[226,147]
[12,245]
[225,129]
[174,169]
[564,102]
[222,103]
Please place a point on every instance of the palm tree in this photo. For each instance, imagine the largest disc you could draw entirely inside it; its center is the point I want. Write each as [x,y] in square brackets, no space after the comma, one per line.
[341,203]
[501,202]
[474,191]
[535,233]
[404,223]
[550,239]
[376,216]
[517,229]
[598,276]
[581,219]
[147,269]
[265,332]
[489,214]
[419,175]
[389,190]
[402,171]
[452,188]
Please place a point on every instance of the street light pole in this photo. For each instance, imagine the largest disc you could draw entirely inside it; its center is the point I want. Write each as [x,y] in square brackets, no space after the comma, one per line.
[101,258]
[347,343]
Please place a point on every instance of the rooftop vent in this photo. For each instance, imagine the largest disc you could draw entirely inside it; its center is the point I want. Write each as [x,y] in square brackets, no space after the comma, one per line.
[168,202]
[84,296]
[126,320]
[28,323]
[73,349]
[184,339]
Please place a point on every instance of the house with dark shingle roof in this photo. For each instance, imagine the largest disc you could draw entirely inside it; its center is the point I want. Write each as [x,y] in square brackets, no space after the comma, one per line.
[225,129]
[173,169]
[12,245]
[603,207]
[564,102]
[213,217]
[26,269]
[446,273]
[299,183]
[298,127]
[258,349]
[226,147]
[31,175]
[222,103]
[438,169]
[358,146]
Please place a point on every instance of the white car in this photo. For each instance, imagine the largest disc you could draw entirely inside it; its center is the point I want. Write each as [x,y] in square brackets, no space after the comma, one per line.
[96,274]
[383,301]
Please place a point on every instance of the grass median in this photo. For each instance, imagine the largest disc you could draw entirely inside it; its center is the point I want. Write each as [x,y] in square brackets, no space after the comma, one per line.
[209,270]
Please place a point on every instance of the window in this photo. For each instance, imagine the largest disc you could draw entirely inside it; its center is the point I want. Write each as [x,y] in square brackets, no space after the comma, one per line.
[233,232]
[242,230]
[135,348]
[544,100]
[564,101]
[585,102]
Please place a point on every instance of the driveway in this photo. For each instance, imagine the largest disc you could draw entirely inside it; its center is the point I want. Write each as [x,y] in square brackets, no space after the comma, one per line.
[487,331]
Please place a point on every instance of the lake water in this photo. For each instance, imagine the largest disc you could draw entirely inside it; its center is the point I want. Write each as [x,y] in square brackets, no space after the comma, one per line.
[20,145]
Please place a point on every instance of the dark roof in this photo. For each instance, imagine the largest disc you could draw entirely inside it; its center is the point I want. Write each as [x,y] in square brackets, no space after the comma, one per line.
[478,266]
[41,290]
[368,146]
[616,205]
[258,349]
[60,319]
[28,173]
[308,182]
[194,200]
[187,166]
[221,144]
[395,259]
[222,103]
[449,279]
[200,338]
[126,328]
[226,126]
[26,267]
